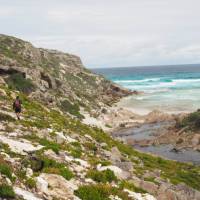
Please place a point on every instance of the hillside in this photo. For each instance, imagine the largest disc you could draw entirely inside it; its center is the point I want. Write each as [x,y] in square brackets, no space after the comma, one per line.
[56,78]
[49,154]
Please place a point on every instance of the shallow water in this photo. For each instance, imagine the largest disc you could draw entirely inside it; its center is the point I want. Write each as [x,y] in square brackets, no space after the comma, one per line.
[145,131]
[150,131]
[185,155]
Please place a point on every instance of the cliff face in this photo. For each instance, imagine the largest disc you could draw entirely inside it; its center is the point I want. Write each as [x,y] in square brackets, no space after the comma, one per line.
[57,77]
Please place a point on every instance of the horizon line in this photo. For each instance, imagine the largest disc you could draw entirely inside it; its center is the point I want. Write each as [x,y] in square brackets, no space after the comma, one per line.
[137,66]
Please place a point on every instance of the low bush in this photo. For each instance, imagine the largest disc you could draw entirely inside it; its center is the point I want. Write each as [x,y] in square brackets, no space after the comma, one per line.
[75,149]
[18,82]
[100,192]
[103,176]
[5,117]
[6,170]
[6,191]
[50,145]
[31,183]
[73,109]
[51,166]
[90,146]
[92,192]
[192,121]
[131,187]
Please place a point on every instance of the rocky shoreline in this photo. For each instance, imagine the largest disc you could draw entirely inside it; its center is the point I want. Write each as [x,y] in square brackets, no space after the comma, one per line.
[156,129]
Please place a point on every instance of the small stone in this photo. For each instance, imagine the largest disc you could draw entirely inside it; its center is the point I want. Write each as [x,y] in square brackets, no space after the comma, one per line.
[29,172]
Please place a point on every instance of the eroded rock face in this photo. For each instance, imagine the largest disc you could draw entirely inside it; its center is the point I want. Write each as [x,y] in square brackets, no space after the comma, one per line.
[57,74]
[55,186]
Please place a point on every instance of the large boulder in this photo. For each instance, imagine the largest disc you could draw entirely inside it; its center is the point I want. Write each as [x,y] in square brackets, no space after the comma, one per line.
[55,186]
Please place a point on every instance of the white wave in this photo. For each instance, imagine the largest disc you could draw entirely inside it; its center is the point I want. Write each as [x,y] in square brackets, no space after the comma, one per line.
[185,80]
[138,81]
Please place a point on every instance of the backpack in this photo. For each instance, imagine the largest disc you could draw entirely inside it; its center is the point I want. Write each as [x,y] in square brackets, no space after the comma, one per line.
[17,104]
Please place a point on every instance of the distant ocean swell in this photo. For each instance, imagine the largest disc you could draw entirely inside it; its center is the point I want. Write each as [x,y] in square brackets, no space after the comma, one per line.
[174,89]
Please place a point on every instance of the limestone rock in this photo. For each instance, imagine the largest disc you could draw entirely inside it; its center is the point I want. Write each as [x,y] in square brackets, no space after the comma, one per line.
[117,171]
[25,194]
[56,186]
[19,146]
[149,186]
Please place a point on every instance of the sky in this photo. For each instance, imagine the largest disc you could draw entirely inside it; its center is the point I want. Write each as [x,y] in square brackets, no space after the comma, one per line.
[109,33]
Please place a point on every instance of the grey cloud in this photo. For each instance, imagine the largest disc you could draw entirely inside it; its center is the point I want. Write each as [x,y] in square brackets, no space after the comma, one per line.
[109,33]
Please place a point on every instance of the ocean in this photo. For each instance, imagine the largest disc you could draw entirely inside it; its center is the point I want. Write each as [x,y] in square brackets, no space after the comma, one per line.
[171,89]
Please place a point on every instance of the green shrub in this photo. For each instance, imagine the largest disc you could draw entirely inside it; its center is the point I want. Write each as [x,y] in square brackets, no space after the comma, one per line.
[6,170]
[31,183]
[6,191]
[103,176]
[50,145]
[76,152]
[192,121]
[51,166]
[131,186]
[75,149]
[73,109]
[100,192]
[18,82]
[5,117]
[90,146]
[92,192]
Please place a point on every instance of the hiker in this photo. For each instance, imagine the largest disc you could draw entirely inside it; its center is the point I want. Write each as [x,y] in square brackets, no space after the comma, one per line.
[17,107]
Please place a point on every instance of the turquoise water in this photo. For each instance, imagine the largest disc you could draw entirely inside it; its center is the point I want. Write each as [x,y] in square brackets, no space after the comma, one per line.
[166,88]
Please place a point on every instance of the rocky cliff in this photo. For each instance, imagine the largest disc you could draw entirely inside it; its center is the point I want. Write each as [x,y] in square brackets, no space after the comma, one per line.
[51,155]
[56,78]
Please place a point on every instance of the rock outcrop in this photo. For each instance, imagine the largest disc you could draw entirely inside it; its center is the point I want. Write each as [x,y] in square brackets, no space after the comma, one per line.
[57,77]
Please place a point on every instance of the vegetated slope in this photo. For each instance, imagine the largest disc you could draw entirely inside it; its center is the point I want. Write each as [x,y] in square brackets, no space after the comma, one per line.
[56,78]
[51,155]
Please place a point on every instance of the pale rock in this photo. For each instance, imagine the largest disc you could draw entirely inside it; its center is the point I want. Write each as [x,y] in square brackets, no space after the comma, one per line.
[2,127]
[29,172]
[61,138]
[195,140]
[18,146]
[50,130]
[57,187]
[2,81]
[112,197]
[69,139]
[89,137]
[108,154]
[8,181]
[77,168]
[25,194]
[13,134]
[136,181]
[83,163]
[2,92]
[139,196]
[126,166]
[103,145]
[89,180]
[116,154]
[117,171]
[68,158]
[149,186]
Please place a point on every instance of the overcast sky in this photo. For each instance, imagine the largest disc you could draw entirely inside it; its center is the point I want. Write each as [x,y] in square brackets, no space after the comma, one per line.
[109,33]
